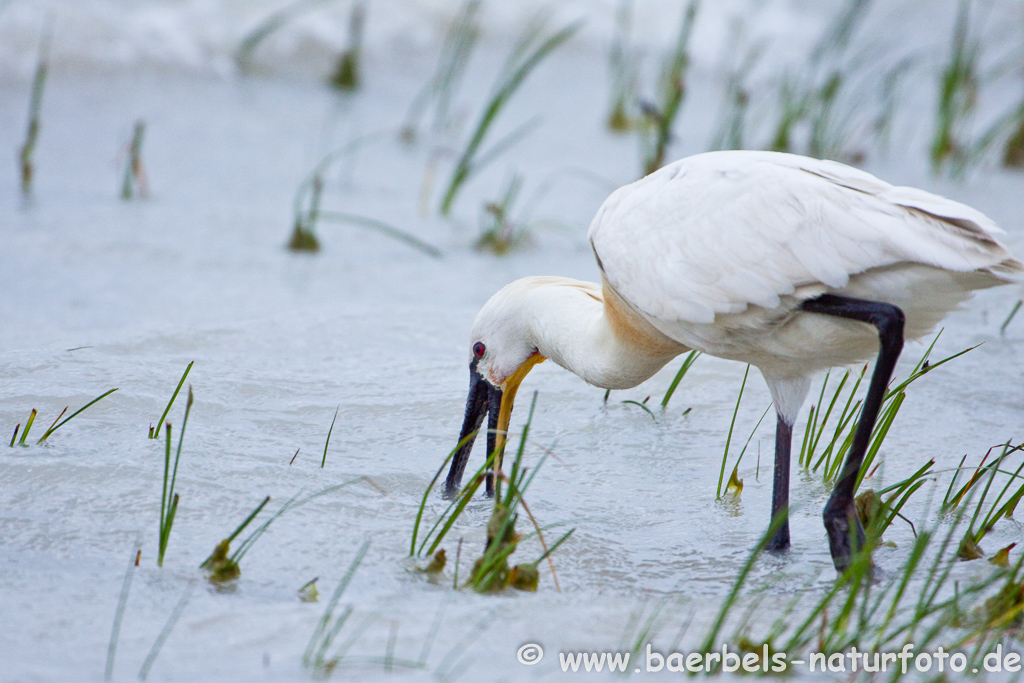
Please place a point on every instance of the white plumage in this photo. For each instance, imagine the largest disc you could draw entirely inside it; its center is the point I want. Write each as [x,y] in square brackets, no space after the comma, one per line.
[718,250]
[773,259]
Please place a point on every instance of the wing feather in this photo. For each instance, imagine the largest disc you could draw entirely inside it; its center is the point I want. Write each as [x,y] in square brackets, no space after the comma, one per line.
[717,232]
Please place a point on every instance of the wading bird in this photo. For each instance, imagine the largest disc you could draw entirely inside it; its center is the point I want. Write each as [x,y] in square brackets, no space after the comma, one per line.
[788,263]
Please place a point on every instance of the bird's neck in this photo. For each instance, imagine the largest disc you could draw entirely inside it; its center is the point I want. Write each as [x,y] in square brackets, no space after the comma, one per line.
[592,332]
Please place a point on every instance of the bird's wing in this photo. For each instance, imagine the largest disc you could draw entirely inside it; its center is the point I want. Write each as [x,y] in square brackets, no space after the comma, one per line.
[716,232]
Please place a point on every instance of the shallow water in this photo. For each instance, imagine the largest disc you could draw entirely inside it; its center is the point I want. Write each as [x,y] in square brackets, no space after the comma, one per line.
[98,293]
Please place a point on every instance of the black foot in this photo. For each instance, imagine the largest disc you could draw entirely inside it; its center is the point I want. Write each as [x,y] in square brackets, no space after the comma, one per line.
[780,541]
[845,533]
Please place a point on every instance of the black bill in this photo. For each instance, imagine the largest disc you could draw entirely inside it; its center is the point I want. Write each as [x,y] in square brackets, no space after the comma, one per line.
[483,398]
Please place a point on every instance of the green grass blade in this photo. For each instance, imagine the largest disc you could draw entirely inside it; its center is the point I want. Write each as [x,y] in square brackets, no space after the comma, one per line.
[1016,307]
[512,79]
[328,441]
[430,486]
[163,498]
[156,431]
[240,528]
[290,504]
[642,407]
[554,547]
[28,426]
[687,363]
[728,439]
[383,228]
[57,426]
[752,432]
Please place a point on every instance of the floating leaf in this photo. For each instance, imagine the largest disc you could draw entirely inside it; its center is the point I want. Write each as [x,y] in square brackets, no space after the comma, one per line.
[969,549]
[525,577]
[735,485]
[1002,558]
[221,568]
[309,593]
[436,565]
[869,507]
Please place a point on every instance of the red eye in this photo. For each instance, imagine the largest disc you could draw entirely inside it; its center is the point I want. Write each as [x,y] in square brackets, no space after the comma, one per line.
[479,349]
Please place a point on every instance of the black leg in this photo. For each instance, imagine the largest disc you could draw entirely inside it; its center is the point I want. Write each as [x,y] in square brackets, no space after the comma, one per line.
[840,514]
[780,489]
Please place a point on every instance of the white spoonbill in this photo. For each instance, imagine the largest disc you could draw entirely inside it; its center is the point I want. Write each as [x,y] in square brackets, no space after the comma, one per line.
[788,263]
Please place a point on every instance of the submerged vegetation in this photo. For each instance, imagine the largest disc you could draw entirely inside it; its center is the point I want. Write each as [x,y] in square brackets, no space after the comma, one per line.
[491,571]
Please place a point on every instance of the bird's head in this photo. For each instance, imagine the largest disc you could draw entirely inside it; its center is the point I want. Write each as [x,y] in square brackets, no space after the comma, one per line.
[502,350]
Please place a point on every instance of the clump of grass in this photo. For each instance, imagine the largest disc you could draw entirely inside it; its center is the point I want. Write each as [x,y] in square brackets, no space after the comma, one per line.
[222,567]
[920,605]
[530,50]
[154,432]
[346,71]
[981,524]
[501,234]
[329,626]
[688,362]
[491,572]
[57,423]
[734,485]
[623,67]
[958,95]
[672,87]
[168,497]
[456,51]
[809,116]
[134,182]
[831,458]
[34,111]
[304,232]
[307,212]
